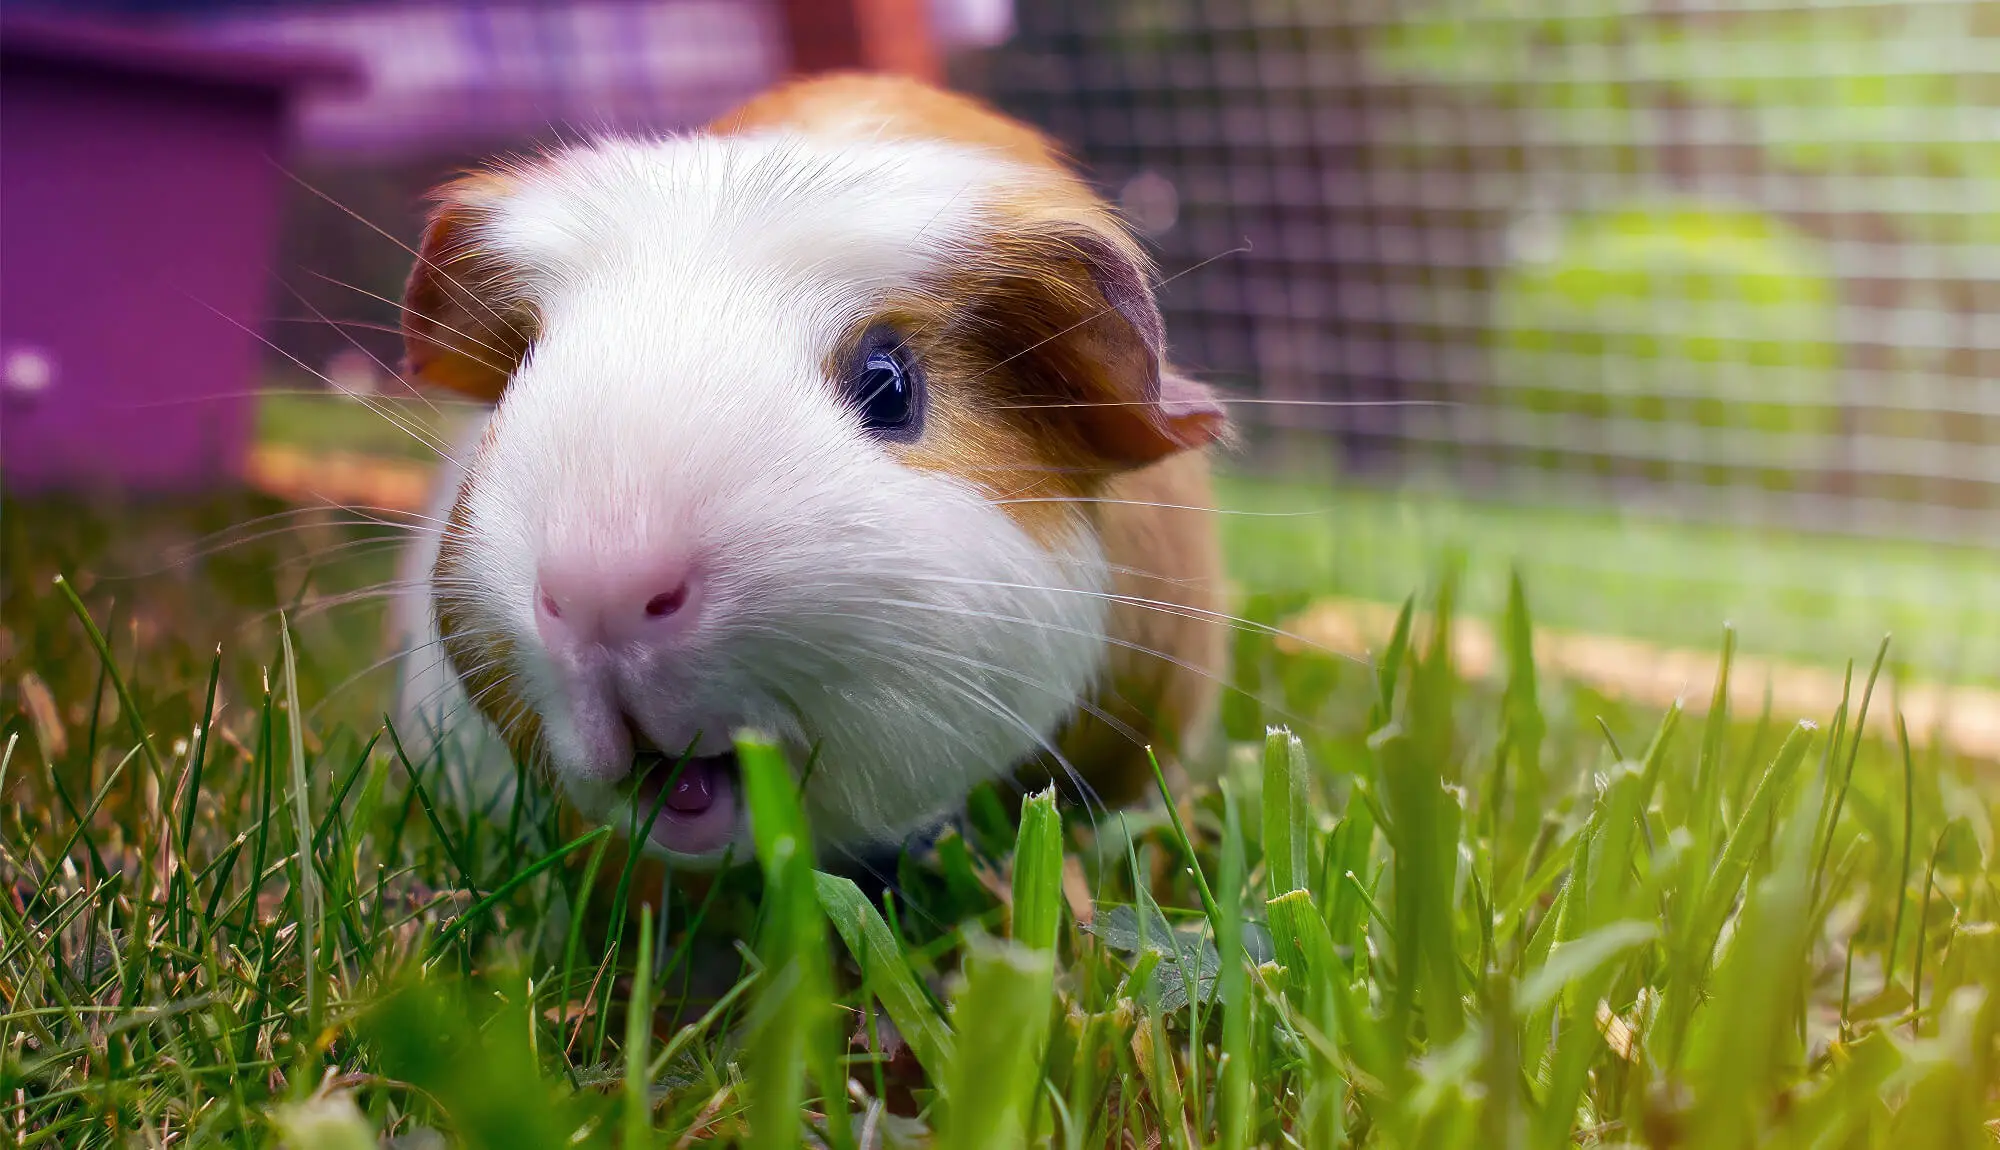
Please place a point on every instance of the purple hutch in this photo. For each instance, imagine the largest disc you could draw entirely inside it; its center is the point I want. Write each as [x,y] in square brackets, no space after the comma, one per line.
[139,200]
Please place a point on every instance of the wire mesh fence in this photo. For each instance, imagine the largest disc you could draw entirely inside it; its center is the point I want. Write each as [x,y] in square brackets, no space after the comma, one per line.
[1735,259]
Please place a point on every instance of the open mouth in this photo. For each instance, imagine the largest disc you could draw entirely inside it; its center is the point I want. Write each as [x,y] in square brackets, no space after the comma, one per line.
[695,797]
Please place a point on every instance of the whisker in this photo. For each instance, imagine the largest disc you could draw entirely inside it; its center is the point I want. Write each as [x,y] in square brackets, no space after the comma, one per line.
[1226,684]
[1100,500]
[359,346]
[323,377]
[1230,401]
[364,221]
[414,313]
[1106,310]
[372,668]
[1092,800]
[1183,610]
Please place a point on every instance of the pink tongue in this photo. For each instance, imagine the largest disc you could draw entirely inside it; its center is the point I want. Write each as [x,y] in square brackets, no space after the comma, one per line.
[694,790]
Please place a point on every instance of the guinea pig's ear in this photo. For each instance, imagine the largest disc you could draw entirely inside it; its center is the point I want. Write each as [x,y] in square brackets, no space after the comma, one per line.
[1149,413]
[465,323]
[1110,351]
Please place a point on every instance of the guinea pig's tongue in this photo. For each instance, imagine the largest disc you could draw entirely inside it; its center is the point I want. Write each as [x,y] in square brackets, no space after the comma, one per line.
[699,814]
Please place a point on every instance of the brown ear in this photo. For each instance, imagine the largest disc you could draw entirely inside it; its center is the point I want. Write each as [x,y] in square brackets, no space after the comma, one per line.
[465,323]
[1103,342]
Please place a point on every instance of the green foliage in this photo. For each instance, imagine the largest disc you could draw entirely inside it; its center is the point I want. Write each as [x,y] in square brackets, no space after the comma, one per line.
[1001,1019]
[885,972]
[791,1025]
[1412,911]
[1038,873]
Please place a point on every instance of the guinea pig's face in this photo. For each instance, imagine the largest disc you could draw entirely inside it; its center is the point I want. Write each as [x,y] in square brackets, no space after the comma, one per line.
[791,436]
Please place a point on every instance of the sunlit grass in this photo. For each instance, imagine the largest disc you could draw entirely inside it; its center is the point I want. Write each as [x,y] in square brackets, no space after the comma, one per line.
[1423,912]
[1799,595]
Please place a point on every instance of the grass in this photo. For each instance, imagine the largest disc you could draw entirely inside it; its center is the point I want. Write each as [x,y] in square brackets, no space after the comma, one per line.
[1790,594]
[1422,912]
[315,420]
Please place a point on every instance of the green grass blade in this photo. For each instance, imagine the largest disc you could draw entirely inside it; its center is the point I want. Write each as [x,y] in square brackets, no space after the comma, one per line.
[127,705]
[1038,860]
[1847,773]
[1318,979]
[1577,959]
[1708,768]
[635,840]
[869,940]
[791,1022]
[451,847]
[1347,854]
[1236,1105]
[1390,666]
[1186,844]
[573,940]
[513,883]
[1693,950]
[1524,724]
[1747,838]
[192,788]
[1001,1018]
[1287,813]
[307,885]
[1909,842]
[1746,1038]
[638,1112]
[340,793]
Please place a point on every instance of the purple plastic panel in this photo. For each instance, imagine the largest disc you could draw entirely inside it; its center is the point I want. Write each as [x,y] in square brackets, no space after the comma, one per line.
[138,210]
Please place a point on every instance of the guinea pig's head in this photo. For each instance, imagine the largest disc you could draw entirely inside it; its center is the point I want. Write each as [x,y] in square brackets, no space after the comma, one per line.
[789,434]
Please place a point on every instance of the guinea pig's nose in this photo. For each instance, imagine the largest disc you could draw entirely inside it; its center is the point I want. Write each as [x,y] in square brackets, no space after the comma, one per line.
[615,603]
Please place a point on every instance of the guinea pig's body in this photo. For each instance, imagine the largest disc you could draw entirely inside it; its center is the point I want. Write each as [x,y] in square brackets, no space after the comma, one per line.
[846,419]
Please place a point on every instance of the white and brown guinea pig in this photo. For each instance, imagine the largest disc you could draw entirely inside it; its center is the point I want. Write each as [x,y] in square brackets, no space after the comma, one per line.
[846,419]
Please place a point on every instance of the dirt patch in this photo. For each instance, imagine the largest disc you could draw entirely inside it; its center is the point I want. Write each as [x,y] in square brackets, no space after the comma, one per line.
[339,478]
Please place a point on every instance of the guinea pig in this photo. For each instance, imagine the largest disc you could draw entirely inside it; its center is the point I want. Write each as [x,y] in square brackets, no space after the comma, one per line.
[846,419]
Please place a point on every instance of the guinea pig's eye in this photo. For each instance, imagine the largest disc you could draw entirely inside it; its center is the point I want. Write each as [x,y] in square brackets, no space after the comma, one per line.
[885,386]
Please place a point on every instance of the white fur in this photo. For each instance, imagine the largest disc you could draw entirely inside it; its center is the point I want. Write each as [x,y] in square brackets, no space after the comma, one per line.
[690,291]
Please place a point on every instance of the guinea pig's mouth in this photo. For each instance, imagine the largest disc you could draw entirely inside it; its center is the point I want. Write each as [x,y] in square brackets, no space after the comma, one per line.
[699,811]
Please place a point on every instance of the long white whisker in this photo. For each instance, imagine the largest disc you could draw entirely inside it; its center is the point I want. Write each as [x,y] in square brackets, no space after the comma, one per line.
[1100,501]
[322,376]
[1125,644]
[1229,401]
[1182,610]
[1104,311]
[385,234]
[362,348]
[410,311]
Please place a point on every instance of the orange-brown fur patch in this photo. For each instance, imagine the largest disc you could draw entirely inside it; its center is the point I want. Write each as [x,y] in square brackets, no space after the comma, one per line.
[465,326]
[484,661]
[830,103]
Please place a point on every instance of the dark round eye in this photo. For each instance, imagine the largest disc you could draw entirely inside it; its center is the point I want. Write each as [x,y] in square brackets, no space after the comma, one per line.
[885,387]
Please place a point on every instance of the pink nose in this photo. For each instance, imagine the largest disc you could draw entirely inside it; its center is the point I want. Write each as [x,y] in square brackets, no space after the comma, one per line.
[613,603]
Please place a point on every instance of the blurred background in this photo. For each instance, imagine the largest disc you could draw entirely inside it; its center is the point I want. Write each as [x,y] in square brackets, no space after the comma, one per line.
[1687,309]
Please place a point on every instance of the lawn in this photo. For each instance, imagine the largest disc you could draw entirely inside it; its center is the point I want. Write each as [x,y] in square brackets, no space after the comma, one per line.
[1446,914]
[1789,594]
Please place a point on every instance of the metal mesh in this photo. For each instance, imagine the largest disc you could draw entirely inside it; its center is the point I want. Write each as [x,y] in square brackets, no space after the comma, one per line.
[1738,259]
